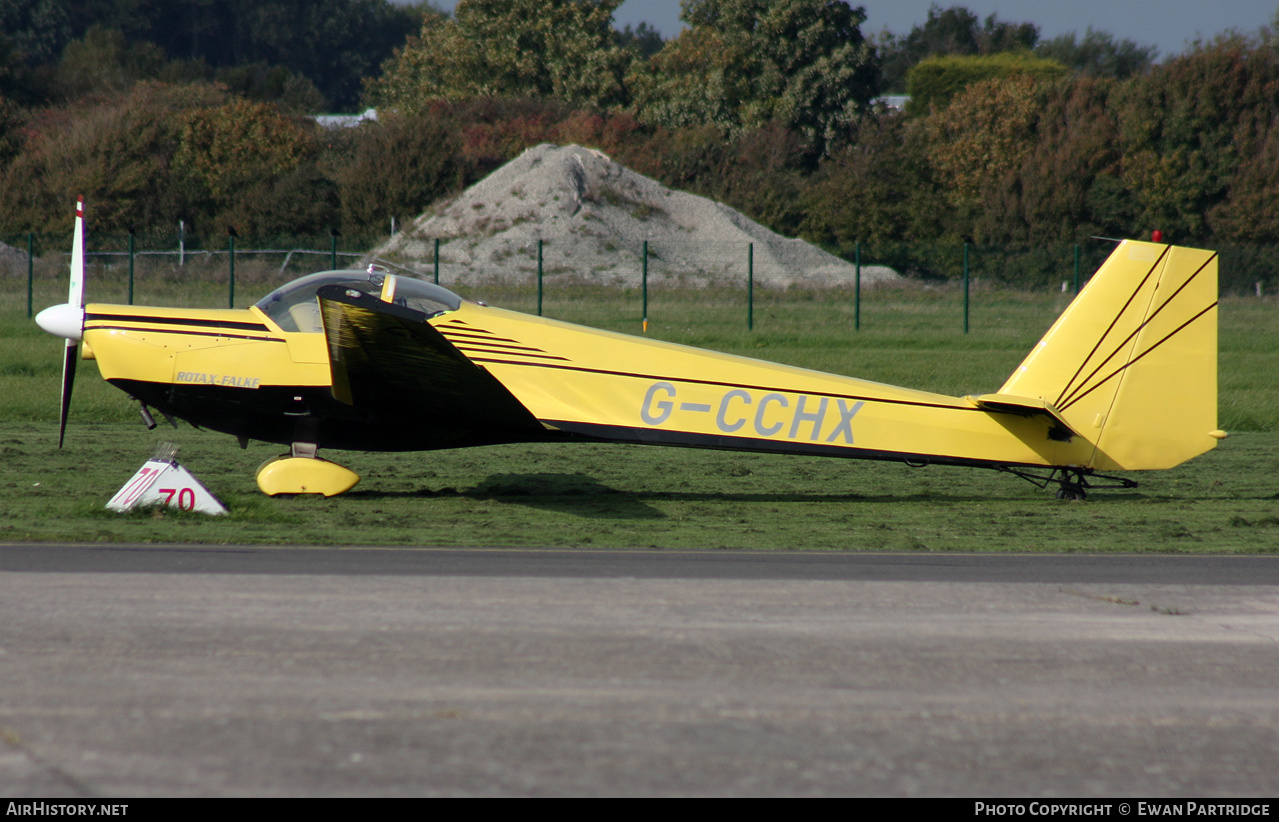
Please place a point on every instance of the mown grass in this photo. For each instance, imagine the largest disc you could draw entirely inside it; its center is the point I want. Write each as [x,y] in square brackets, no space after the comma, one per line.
[636,497]
[629,496]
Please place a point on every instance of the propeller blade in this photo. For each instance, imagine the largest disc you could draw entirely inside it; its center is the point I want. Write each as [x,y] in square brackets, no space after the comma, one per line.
[75,296]
[68,380]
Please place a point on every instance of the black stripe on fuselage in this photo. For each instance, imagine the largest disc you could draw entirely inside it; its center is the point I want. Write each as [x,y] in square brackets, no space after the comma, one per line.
[178,321]
[463,347]
[472,334]
[220,335]
[175,325]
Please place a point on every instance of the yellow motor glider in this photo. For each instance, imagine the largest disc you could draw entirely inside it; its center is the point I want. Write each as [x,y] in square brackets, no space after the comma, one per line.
[1125,380]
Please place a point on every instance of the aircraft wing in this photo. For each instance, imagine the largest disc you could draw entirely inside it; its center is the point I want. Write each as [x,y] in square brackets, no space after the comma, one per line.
[387,359]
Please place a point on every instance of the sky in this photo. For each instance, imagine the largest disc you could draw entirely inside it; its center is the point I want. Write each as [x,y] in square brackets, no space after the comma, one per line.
[1166,24]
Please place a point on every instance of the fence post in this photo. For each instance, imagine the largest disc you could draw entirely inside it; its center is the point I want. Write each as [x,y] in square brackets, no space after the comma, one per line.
[539,278]
[437,260]
[750,286]
[857,287]
[230,300]
[182,243]
[1076,269]
[31,269]
[644,283]
[131,265]
[965,288]
[333,248]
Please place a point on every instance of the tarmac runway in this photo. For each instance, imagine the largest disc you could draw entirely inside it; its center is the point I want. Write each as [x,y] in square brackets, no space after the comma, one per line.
[140,671]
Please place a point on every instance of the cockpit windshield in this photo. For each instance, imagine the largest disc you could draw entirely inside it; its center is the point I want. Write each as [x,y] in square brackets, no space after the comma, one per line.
[294,306]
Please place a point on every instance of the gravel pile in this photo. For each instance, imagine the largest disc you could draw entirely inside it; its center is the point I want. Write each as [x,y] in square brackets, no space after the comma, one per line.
[12,259]
[593,216]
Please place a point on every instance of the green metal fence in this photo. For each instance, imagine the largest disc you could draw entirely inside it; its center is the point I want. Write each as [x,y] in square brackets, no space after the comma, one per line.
[235,272]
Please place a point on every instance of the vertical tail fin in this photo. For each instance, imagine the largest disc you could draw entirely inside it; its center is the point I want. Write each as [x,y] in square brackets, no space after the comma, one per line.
[1131,365]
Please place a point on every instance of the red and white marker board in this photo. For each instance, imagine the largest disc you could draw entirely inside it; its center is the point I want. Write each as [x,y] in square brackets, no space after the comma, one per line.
[164,482]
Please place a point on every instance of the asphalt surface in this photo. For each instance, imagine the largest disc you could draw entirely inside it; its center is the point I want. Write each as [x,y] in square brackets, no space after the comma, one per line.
[135,671]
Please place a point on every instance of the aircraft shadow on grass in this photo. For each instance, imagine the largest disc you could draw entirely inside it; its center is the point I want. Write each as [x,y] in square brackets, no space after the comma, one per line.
[576,494]
[584,496]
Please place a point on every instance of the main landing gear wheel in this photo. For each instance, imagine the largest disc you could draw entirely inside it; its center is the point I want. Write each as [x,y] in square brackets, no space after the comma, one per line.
[301,472]
[1072,485]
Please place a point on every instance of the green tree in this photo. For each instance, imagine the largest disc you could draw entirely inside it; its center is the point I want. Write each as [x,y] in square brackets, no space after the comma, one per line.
[396,167]
[333,43]
[742,64]
[981,138]
[253,167]
[119,152]
[1250,212]
[36,30]
[954,30]
[690,83]
[102,62]
[301,201]
[1187,126]
[265,83]
[936,81]
[761,172]
[497,129]
[32,35]
[231,147]
[1099,54]
[1067,187]
[643,39]
[105,62]
[11,120]
[879,189]
[565,49]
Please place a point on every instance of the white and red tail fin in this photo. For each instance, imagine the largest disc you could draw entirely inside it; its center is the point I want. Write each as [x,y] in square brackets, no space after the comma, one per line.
[1131,365]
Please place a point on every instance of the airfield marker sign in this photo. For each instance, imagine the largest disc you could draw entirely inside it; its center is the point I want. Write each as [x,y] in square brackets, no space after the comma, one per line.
[162,481]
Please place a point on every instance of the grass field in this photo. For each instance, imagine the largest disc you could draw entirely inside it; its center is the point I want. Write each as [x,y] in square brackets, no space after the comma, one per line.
[630,496]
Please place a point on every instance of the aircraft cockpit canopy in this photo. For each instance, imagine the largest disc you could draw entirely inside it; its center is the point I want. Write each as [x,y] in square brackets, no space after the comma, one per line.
[294,306]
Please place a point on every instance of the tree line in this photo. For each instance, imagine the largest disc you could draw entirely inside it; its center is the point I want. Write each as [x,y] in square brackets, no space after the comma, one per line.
[772,106]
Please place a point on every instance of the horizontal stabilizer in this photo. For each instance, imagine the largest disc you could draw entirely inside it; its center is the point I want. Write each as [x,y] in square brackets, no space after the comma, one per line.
[1021,406]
